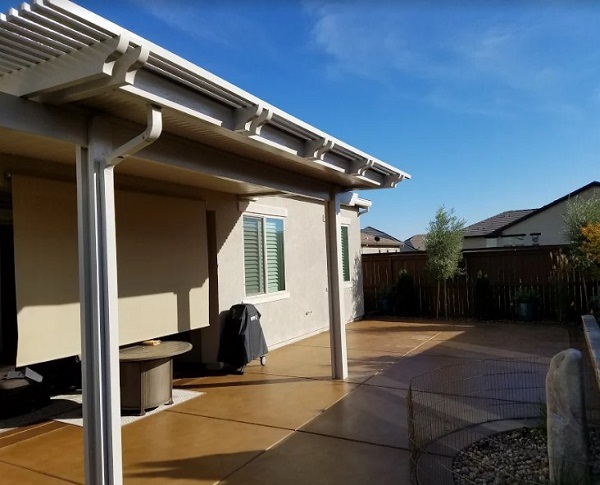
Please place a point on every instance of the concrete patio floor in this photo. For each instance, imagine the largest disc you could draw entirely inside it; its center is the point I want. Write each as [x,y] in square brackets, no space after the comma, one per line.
[287,422]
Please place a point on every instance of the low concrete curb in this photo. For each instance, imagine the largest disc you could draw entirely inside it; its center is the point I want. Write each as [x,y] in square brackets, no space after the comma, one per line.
[592,337]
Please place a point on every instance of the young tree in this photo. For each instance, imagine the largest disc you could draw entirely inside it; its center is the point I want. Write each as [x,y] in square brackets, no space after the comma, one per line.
[582,220]
[443,244]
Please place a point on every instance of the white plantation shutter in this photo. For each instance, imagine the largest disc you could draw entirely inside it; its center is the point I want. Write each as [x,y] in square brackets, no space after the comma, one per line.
[345,254]
[264,267]
[275,264]
[253,255]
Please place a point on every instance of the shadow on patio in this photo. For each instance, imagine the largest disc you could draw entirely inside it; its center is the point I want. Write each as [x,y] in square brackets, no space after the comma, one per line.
[287,422]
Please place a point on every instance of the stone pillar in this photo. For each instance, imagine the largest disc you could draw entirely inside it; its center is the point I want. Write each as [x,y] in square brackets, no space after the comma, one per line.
[567,440]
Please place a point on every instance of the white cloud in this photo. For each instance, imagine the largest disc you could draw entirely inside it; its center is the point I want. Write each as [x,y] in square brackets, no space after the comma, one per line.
[456,56]
[222,23]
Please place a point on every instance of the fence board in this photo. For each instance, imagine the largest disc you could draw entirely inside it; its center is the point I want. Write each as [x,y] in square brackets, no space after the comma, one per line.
[508,270]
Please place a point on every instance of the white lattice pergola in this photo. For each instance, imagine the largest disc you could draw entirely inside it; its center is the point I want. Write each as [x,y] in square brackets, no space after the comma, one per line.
[74,84]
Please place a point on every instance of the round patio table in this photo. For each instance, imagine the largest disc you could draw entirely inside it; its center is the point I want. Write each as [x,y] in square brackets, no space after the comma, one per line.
[147,374]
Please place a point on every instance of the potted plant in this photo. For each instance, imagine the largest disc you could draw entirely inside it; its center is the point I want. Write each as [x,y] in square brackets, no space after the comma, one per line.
[386,300]
[405,298]
[484,297]
[526,299]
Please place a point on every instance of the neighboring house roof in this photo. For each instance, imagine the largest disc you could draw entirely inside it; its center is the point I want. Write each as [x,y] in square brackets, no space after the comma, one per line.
[416,242]
[376,232]
[493,226]
[369,236]
[495,223]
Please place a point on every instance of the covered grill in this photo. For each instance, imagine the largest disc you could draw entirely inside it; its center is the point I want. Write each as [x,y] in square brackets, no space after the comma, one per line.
[242,339]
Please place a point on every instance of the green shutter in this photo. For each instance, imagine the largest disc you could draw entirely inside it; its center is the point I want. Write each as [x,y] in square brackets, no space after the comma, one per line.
[253,256]
[275,259]
[345,254]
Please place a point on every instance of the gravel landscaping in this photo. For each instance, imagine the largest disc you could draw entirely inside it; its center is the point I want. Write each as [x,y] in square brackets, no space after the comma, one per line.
[514,457]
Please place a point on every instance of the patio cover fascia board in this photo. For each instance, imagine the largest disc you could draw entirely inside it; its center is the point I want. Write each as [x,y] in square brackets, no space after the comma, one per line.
[181,153]
[69,54]
[24,116]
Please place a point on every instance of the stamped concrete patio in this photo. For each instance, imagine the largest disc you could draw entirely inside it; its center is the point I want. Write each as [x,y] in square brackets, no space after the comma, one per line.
[287,422]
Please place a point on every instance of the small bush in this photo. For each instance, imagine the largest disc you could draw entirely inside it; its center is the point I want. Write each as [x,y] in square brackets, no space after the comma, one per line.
[484,298]
[406,295]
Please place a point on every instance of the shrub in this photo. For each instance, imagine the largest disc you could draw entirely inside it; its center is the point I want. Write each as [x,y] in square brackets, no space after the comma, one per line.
[406,295]
[484,297]
[559,279]
[525,295]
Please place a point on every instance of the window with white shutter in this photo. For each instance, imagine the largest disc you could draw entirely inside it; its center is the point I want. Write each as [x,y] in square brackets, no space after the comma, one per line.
[345,254]
[264,266]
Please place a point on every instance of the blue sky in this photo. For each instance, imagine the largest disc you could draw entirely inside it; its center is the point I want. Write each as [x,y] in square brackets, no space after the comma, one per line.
[490,106]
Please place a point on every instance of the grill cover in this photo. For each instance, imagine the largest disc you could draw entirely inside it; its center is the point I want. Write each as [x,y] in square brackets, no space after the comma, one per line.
[242,339]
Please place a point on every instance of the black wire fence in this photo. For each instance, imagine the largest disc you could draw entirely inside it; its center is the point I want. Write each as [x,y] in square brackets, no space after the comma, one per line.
[455,406]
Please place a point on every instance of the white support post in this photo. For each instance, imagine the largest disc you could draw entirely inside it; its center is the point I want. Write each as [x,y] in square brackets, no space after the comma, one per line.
[99,315]
[337,328]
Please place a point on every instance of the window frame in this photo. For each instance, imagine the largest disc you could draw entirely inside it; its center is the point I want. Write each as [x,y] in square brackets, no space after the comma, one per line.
[265,295]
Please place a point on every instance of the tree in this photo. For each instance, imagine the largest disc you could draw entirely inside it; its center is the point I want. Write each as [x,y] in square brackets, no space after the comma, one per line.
[443,244]
[582,222]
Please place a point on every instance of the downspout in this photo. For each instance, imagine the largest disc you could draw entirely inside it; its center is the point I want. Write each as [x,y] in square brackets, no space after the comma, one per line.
[99,298]
[149,136]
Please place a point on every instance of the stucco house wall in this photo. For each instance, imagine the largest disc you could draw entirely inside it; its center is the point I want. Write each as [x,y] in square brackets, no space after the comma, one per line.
[303,309]
[474,243]
[548,225]
[353,290]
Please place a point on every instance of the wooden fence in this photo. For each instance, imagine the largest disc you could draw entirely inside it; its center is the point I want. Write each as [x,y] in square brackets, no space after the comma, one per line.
[508,270]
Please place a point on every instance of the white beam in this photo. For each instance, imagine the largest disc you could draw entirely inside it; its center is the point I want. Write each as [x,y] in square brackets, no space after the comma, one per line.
[99,295]
[99,313]
[337,327]
[123,72]
[316,149]
[250,120]
[257,122]
[38,119]
[178,152]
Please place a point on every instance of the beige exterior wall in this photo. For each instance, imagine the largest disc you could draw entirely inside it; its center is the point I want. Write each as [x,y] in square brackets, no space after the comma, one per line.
[303,309]
[474,243]
[162,265]
[353,290]
[549,223]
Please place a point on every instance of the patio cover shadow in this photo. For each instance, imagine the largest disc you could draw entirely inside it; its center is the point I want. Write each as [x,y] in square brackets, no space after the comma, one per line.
[210,467]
